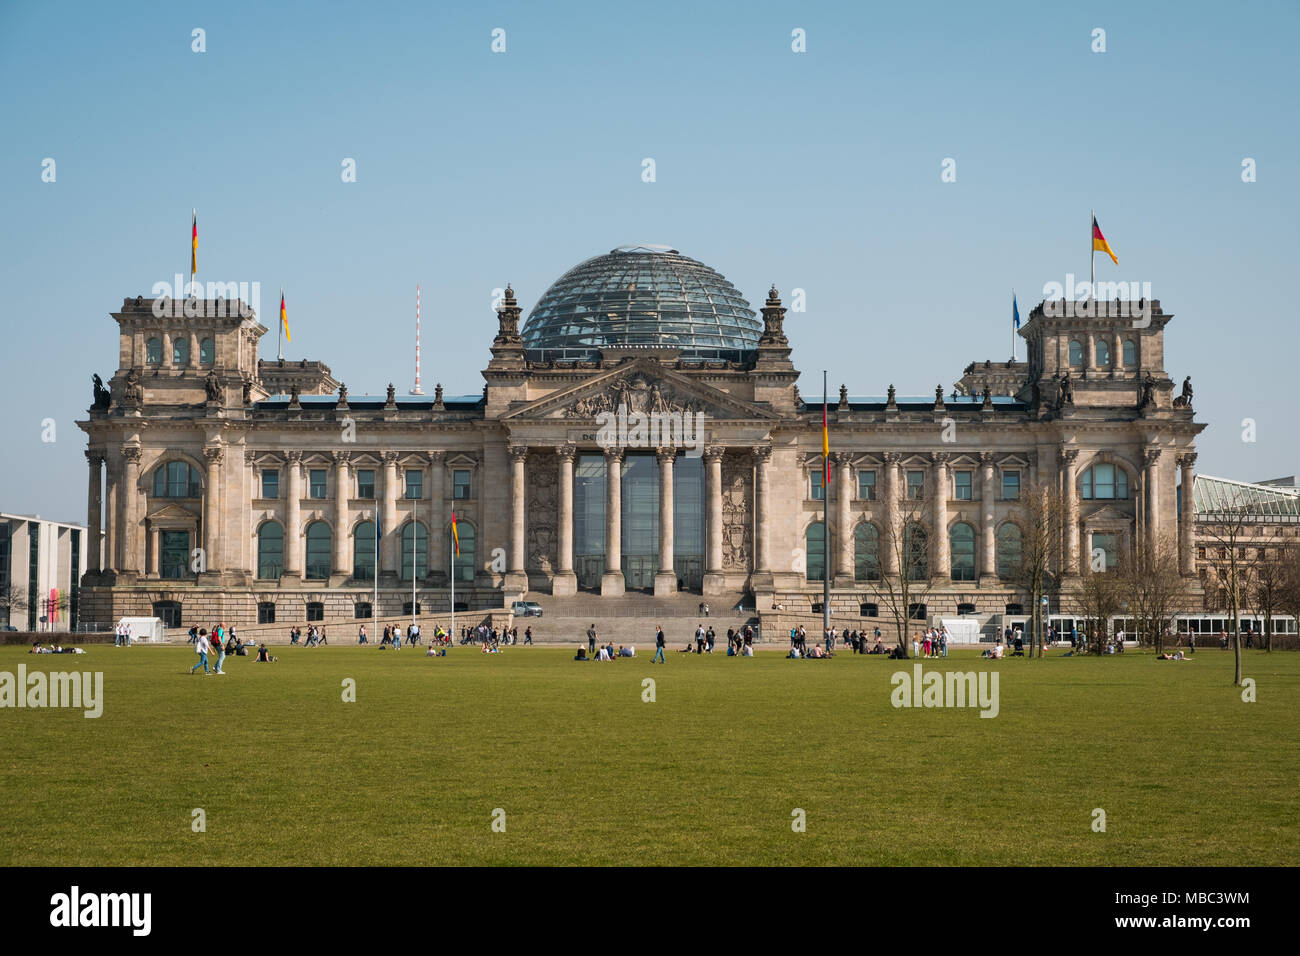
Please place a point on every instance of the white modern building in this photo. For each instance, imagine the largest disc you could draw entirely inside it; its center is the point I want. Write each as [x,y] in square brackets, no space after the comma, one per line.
[41,563]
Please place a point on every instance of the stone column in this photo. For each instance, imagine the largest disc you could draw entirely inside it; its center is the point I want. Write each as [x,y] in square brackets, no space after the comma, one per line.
[439,553]
[892,539]
[565,581]
[342,533]
[713,579]
[988,564]
[1117,357]
[612,583]
[155,549]
[212,508]
[392,540]
[843,518]
[1187,526]
[762,509]
[112,559]
[666,577]
[1070,497]
[129,494]
[1151,458]
[94,501]
[294,547]
[942,568]
[517,575]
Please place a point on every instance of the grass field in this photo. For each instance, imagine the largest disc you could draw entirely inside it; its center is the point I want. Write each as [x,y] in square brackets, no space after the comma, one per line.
[709,773]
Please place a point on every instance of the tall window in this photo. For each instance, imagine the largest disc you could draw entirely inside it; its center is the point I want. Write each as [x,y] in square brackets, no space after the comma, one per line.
[464,564]
[1105,551]
[961,485]
[414,537]
[316,482]
[1076,354]
[74,589]
[153,352]
[1010,485]
[815,551]
[365,483]
[174,554]
[176,479]
[460,484]
[207,352]
[915,484]
[363,551]
[916,552]
[1010,551]
[270,483]
[961,549]
[1130,354]
[270,550]
[319,545]
[181,351]
[414,483]
[817,490]
[1103,353]
[867,485]
[1104,481]
[866,553]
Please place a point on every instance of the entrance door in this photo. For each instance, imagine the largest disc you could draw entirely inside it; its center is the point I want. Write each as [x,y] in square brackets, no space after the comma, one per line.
[690,571]
[589,569]
[639,571]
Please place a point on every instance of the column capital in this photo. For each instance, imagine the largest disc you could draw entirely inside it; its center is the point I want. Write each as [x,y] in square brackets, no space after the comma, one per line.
[841,458]
[95,456]
[614,456]
[293,456]
[566,450]
[939,458]
[986,458]
[341,458]
[518,453]
[131,453]
[1069,455]
[666,454]
[891,457]
[390,458]
[436,458]
[214,454]
[1187,459]
[714,452]
[762,454]
[1151,455]
[250,457]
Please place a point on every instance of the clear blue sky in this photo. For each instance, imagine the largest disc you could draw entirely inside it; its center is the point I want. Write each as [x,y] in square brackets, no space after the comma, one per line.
[818,170]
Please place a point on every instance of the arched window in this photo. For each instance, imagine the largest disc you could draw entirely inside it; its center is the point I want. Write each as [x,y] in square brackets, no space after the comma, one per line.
[1130,354]
[1010,551]
[961,550]
[464,562]
[1104,482]
[207,352]
[415,539]
[153,351]
[176,479]
[915,551]
[815,551]
[1103,353]
[270,550]
[319,544]
[181,350]
[866,553]
[1076,353]
[363,551]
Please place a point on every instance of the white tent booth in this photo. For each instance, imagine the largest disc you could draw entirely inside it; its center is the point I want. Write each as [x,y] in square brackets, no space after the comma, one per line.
[962,630]
[145,629]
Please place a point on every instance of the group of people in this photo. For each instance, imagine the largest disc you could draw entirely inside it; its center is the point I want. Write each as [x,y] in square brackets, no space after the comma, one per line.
[315,636]
[54,649]
[497,637]
[605,652]
[122,635]
[223,642]
[932,642]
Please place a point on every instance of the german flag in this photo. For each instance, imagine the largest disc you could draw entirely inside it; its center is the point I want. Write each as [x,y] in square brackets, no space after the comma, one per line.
[1099,243]
[455,535]
[284,319]
[194,244]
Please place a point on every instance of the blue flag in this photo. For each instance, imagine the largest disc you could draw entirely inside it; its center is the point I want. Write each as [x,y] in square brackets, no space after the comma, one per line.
[1015,310]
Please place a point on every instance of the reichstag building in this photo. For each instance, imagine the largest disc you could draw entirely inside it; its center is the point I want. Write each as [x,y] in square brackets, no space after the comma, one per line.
[237,489]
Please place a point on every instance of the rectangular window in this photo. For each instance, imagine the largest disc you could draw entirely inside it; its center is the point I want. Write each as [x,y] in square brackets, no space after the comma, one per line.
[365,483]
[415,483]
[961,485]
[867,485]
[817,492]
[915,484]
[1010,485]
[315,611]
[1105,551]
[266,613]
[270,483]
[174,558]
[317,482]
[460,485]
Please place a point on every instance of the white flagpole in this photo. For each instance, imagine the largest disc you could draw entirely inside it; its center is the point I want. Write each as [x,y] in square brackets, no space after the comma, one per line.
[1092,255]
[451,560]
[415,512]
[1013,325]
[279,332]
[374,608]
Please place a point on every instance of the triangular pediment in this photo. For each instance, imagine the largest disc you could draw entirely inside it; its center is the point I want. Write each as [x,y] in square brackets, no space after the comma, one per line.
[642,386]
[172,512]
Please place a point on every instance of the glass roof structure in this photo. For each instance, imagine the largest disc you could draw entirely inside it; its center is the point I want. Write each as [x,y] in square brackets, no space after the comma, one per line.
[1221,499]
[648,296]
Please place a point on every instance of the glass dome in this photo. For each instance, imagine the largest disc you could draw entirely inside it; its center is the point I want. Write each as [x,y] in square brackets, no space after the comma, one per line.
[641,296]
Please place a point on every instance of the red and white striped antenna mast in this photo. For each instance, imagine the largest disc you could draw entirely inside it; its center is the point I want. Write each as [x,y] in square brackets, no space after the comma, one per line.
[417,390]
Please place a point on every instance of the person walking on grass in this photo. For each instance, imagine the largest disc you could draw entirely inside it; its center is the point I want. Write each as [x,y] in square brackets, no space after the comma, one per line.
[219,638]
[361,635]
[591,640]
[659,646]
[202,647]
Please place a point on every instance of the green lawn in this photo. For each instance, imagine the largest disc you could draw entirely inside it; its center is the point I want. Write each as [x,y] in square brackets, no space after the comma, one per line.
[587,773]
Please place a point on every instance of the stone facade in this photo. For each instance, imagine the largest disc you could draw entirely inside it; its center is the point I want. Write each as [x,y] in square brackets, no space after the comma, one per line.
[241,465]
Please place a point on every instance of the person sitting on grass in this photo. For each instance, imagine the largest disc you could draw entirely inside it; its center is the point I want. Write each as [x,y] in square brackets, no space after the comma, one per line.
[794,653]
[582,654]
[603,653]
[264,656]
[626,651]
[1177,656]
[435,651]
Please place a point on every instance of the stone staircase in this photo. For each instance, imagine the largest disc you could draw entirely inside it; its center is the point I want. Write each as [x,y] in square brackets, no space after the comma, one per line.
[631,618]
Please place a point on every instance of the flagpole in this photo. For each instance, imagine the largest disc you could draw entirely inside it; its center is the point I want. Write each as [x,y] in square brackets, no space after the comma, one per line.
[1013,324]
[194,256]
[374,612]
[415,515]
[826,523]
[451,561]
[279,332]
[1092,254]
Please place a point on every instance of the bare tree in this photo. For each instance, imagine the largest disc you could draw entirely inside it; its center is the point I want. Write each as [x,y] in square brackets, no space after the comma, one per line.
[1098,599]
[1154,588]
[1268,582]
[1289,592]
[1231,569]
[1030,565]
[908,545]
[12,598]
